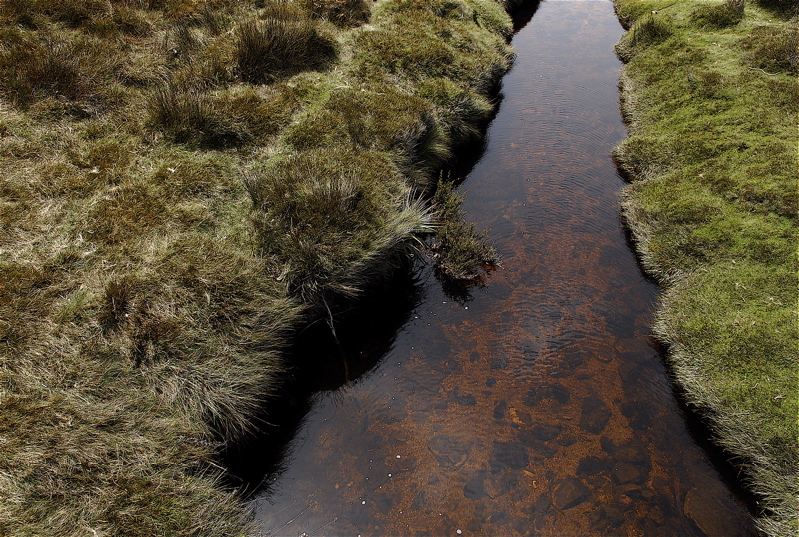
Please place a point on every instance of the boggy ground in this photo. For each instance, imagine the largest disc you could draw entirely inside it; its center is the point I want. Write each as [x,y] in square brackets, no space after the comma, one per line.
[183,184]
[711,96]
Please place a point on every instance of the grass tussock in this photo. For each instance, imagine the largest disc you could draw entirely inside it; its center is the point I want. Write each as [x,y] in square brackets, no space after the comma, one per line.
[645,32]
[188,113]
[772,48]
[71,12]
[185,182]
[388,120]
[728,13]
[785,8]
[333,220]
[712,155]
[102,18]
[462,113]
[272,48]
[194,115]
[493,16]
[50,66]
[452,51]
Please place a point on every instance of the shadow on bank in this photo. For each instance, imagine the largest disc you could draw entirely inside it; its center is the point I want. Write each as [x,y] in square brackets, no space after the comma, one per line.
[326,355]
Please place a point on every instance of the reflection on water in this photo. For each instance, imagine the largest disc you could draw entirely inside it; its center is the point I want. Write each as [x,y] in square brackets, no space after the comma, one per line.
[539,407]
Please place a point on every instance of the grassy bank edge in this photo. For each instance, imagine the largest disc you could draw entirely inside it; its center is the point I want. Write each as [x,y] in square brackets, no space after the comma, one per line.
[711,156]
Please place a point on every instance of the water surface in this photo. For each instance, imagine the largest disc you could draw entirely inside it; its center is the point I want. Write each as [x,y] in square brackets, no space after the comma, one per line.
[539,406]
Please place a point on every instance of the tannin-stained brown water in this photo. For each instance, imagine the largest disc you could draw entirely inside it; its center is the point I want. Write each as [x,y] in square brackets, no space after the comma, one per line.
[539,406]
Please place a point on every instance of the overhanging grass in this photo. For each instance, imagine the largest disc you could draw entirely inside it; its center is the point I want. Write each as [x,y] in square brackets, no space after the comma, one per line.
[461,252]
[179,193]
[711,97]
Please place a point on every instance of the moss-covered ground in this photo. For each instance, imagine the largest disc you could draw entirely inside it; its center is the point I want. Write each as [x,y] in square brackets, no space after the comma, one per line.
[182,184]
[711,96]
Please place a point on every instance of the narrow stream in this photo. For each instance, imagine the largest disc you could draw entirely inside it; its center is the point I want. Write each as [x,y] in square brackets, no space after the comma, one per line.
[539,406]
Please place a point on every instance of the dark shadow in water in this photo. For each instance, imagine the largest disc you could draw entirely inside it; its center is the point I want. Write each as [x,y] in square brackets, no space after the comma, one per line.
[628,238]
[458,290]
[323,360]
[523,15]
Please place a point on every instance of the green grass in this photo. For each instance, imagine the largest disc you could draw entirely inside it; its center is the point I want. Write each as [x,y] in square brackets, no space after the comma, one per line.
[183,183]
[710,94]
[729,13]
[457,48]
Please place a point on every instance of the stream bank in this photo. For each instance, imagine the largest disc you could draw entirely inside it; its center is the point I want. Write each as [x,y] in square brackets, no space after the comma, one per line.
[710,94]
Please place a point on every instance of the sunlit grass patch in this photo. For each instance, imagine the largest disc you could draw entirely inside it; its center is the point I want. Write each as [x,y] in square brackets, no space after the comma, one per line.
[385,120]
[743,364]
[492,16]
[361,119]
[691,225]
[453,50]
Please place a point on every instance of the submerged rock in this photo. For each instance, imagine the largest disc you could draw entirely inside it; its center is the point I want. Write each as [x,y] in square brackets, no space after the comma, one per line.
[569,493]
[596,415]
[709,514]
[448,451]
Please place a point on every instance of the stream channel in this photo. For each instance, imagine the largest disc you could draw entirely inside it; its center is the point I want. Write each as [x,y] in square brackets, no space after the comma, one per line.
[539,404]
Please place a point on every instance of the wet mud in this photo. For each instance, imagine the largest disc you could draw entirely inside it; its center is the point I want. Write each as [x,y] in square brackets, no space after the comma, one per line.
[539,405]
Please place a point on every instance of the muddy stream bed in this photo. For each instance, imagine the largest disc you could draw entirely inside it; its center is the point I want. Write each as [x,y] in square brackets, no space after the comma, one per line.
[539,405]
